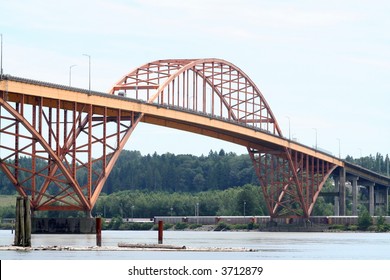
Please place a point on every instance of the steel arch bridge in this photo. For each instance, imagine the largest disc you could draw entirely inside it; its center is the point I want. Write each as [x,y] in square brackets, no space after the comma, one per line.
[69,133]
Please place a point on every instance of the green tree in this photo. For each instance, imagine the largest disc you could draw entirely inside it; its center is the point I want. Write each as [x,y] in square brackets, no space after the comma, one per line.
[364,220]
[246,203]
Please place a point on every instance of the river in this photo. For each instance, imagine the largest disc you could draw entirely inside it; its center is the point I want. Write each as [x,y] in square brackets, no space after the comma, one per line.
[267,245]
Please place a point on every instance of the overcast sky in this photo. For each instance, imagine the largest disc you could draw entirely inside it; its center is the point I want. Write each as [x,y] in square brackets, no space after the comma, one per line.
[323,66]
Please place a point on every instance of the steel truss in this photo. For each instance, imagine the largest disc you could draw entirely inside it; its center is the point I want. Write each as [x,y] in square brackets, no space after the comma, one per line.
[48,146]
[291,181]
[212,87]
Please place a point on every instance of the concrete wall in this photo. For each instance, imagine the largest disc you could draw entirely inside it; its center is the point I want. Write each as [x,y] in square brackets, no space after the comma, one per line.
[262,220]
[63,225]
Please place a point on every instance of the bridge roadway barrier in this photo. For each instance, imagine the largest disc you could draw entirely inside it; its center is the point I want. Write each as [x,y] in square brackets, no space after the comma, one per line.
[88,225]
[63,225]
[262,220]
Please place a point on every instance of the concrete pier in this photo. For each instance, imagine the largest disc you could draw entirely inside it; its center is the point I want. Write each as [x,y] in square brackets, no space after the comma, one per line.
[64,225]
[342,178]
[355,193]
[371,202]
[336,209]
[375,199]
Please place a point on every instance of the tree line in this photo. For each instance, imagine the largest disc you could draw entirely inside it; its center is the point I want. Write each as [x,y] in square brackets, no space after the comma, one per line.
[236,201]
[185,173]
[167,172]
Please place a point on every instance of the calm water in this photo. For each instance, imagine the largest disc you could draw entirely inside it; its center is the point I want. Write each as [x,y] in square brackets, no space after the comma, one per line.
[271,246]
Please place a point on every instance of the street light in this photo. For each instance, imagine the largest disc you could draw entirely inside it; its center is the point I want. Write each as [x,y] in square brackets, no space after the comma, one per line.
[197,212]
[89,71]
[1,56]
[244,207]
[289,131]
[132,212]
[316,137]
[70,74]
[339,148]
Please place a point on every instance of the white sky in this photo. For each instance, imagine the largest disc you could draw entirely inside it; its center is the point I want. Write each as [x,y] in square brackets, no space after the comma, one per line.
[323,65]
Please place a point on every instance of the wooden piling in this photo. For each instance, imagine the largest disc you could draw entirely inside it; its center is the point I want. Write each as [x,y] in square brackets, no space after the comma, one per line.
[160,232]
[22,228]
[99,232]
[22,222]
[27,221]
[17,222]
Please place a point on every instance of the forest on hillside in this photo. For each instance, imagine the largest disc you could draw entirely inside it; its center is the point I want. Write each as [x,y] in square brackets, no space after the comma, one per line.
[169,172]
[188,173]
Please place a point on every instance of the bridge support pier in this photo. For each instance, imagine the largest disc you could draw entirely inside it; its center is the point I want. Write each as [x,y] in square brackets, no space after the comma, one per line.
[336,208]
[387,201]
[340,204]
[342,192]
[381,199]
[371,199]
[355,192]
[340,200]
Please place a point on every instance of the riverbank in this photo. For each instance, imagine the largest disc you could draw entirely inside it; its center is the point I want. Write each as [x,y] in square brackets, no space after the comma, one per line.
[256,228]
[125,247]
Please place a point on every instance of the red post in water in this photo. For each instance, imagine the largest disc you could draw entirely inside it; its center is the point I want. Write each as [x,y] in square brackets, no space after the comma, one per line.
[160,232]
[99,232]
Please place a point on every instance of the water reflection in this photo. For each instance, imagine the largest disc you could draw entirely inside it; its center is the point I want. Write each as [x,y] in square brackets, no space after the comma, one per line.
[273,246]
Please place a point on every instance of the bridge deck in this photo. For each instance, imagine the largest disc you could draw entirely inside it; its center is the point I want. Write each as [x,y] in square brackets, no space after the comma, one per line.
[173,117]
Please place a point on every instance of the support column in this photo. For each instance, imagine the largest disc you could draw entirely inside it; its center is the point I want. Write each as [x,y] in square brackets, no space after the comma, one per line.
[371,199]
[381,201]
[337,198]
[386,202]
[342,192]
[355,193]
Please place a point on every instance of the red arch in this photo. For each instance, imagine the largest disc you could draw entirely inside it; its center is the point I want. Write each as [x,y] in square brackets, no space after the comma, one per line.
[290,180]
[217,87]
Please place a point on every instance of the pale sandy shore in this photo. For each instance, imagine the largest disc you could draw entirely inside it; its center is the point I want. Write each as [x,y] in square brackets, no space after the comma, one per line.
[126,247]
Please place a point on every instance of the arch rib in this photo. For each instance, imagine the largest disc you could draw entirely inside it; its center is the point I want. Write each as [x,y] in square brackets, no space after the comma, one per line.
[166,72]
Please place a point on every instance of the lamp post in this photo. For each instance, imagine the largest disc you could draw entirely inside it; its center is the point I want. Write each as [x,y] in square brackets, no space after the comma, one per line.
[70,74]
[197,212]
[315,129]
[89,71]
[339,148]
[289,131]
[360,159]
[132,213]
[244,207]
[1,56]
